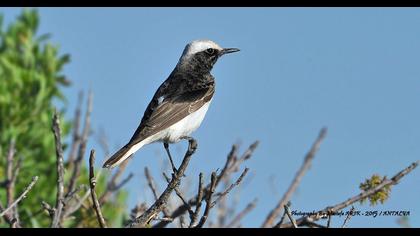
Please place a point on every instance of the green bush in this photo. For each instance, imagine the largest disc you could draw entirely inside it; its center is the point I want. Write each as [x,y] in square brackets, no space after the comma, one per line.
[31,80]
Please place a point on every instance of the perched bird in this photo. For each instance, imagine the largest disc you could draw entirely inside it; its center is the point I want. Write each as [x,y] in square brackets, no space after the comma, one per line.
[180,103]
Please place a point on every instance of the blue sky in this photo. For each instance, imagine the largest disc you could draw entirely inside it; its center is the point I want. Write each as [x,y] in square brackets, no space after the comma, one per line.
[354,70]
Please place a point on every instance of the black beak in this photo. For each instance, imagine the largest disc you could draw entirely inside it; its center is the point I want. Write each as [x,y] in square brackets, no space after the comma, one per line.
[228,50]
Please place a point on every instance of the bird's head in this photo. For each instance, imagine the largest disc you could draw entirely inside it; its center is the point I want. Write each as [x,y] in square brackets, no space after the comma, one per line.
[203,54]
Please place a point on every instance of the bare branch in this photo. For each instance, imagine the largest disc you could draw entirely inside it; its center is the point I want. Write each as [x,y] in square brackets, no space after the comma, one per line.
[348,217]
[194,215]
[11,174]
[122,183]
[16,169]
[329,221]
[60,171]
[279,224]
[82,147]
[70,195]
[92,182]
[9,218]
[181,222]
[103,142]
[74,207]
[179,194]
[157,207]
[112,185]
[10,186]
[387,182]
[76,134]
[242,214]
[222,207]
[296,181]
[289,215]
[164,219]
[138,210]
[150,182]
[238,181]
[21,197]
[208,201]
[232,163]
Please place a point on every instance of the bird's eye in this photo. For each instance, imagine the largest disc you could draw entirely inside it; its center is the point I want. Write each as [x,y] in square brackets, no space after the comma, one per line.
[210,51]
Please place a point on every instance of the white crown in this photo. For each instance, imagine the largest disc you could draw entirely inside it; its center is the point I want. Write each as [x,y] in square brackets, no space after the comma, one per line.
[199,46]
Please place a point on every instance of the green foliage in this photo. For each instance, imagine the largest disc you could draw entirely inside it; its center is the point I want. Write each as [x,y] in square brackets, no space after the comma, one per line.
[31,80]
[380,196]
[30,76]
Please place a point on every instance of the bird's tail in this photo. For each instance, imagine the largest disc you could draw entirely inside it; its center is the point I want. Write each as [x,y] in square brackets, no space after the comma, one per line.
[121,155]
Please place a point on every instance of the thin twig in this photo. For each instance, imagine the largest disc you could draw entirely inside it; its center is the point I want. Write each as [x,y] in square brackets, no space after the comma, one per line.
[179,194]
[181,222]
[194,215]
[150,182]
[329,220]
[10,186]
[242,214]
[9,218]
[92,182]
[387,182]
[112,185]
[208,201]
[76,134]
[279,224]
[123,182]
[348,217]
[296,181]
[238,181]
[82,147]
[289,215]
[11,181]
[230,160]
[21,197]
[164,219]
[60,171]
[71,195]
[74,207]
[138,210]
[158,206]
[17,169]
[222,208]
[103,142]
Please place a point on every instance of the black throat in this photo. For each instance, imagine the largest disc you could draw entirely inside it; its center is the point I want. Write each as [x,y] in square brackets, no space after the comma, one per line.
[200,62]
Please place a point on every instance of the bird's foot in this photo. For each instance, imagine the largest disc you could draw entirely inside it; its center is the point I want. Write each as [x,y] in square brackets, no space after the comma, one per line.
[192,144]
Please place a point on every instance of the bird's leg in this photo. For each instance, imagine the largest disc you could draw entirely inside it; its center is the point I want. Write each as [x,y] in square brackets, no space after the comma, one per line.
[166,145]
